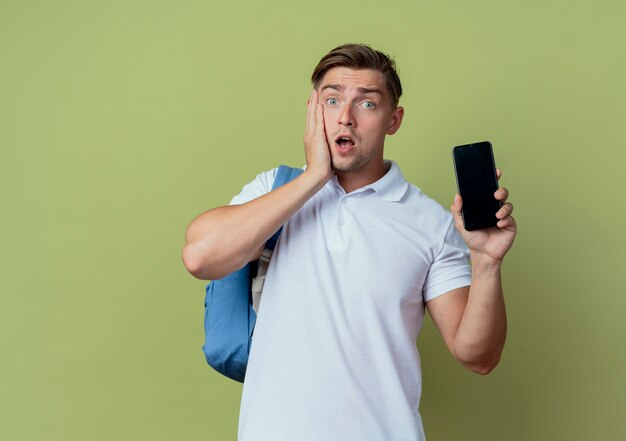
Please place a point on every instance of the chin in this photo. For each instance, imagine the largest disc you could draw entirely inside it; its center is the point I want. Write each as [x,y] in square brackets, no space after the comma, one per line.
[346,166]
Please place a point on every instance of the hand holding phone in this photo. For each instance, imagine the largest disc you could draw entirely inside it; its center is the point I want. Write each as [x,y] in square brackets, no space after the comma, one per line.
[477,182]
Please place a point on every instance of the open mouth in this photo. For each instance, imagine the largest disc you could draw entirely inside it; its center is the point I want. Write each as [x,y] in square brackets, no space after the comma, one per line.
[345,142]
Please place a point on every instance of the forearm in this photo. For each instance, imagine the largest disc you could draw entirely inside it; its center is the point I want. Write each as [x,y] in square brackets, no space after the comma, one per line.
[224,239]
[480,338]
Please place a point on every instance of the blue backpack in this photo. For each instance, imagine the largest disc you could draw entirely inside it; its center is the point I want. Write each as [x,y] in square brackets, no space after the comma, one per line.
[229,313]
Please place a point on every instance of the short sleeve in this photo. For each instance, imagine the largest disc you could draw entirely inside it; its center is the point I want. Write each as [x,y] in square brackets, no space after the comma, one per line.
[260,186]
[451,269]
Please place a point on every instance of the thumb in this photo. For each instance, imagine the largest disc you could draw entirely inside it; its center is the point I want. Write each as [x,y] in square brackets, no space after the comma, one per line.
[455,209]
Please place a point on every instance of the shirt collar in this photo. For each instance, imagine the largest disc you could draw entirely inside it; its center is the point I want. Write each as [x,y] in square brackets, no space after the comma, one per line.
[392,186]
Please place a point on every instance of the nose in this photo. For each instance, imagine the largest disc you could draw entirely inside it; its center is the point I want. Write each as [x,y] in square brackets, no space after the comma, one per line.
[346,117]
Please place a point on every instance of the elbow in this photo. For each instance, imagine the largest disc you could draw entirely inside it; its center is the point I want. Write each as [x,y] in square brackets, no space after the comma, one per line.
[209,253]
[479,357]
[196,264]
[483,366]
[192,262]
[198,254]
[482,362]
[207,266]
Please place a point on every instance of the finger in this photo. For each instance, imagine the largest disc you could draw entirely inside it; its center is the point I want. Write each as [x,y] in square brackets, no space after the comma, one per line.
[313,92]
[316,105]
[508,223]
[501,194]
[310,115]
[319,121]
[457,204]
[498,173]
[320,132]
[506,210]
[455,209]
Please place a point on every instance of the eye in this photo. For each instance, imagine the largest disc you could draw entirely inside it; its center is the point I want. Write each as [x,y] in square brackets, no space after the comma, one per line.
[331,101]
[369,105]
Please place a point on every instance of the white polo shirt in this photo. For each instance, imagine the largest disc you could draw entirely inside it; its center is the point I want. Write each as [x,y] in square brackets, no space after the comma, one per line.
[333,356]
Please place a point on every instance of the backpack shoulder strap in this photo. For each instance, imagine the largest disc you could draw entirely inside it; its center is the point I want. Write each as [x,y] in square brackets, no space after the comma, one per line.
[285,174]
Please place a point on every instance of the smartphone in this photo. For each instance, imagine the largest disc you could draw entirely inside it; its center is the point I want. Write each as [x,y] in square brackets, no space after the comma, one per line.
[477,182]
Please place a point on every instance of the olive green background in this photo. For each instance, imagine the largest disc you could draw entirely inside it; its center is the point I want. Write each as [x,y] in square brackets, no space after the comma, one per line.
[122,120]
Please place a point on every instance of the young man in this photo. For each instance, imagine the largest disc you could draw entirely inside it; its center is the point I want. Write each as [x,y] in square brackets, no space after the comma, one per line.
[363,252]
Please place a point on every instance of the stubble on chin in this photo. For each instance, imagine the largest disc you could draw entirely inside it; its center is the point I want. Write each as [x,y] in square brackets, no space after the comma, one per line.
[349,165]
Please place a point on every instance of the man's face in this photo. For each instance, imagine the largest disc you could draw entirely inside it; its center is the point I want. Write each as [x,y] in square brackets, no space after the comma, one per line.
[358,114]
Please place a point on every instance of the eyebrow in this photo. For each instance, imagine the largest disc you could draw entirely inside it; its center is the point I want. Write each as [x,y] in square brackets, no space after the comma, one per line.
[361,90]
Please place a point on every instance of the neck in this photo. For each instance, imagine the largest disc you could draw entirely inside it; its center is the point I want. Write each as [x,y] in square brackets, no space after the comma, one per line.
[353,180]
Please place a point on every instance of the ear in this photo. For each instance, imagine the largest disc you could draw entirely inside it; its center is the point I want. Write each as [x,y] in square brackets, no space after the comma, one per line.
[396,120]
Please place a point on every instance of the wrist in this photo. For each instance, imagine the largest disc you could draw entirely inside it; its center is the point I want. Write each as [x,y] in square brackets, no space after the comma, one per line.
[484,263]
[317,177]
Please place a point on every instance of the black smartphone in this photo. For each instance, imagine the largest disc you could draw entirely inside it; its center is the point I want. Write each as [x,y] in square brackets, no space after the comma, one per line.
[477,182]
